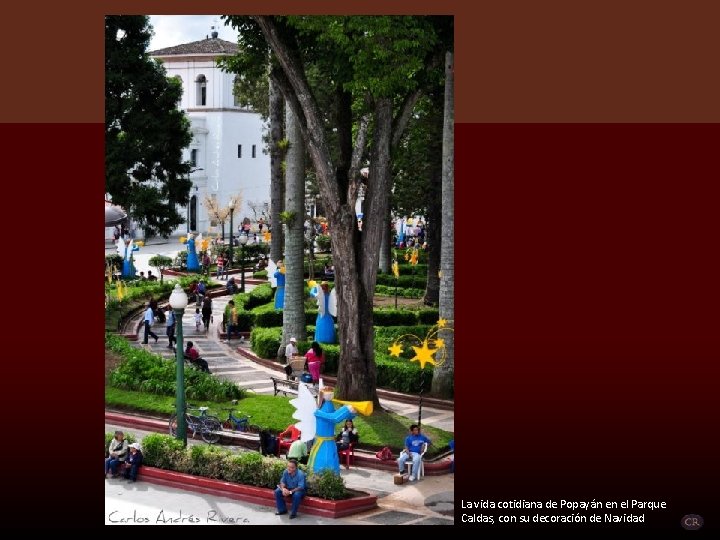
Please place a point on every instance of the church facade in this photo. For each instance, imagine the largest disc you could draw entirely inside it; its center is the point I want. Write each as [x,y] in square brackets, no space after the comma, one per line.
[226,153]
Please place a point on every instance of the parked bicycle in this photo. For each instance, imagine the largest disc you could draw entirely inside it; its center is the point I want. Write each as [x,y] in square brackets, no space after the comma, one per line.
[239,423]
[208,426]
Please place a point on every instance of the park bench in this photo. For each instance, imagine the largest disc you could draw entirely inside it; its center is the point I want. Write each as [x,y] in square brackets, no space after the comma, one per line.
[289,387]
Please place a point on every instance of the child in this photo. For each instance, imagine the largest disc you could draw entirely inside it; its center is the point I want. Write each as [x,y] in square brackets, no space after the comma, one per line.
[198,319]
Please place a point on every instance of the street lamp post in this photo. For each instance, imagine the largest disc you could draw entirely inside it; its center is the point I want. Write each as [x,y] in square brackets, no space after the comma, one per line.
[243,240]
[178,301]
[231,206]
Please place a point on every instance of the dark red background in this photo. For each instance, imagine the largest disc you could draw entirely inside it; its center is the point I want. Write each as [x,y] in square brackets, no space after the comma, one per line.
[587,298]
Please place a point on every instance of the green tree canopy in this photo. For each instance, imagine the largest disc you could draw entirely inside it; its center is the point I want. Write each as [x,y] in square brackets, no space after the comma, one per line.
[145,132]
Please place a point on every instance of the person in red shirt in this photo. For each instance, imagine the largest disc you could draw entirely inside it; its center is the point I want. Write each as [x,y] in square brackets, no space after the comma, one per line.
[192,354]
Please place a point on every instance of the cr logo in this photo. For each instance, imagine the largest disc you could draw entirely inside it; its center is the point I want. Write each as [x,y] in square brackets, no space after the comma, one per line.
[691,522]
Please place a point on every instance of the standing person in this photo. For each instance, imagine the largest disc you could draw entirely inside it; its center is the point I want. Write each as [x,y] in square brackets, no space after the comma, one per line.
[291,349]
[117,453]
[292,484]
[170,326]
[206,264]
[315,359]
[232,320]
[200,293]
[149,319]
[413,445]
[198,319]
[220,262]
[133,462]
[226,266]
[207,312]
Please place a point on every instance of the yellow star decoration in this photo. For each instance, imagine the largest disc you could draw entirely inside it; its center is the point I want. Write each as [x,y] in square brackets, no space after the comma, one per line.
[439,343]
[442,323]
[424,354]
[395,349]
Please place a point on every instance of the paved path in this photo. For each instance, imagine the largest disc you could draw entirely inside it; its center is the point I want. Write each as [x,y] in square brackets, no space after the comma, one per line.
[225,362]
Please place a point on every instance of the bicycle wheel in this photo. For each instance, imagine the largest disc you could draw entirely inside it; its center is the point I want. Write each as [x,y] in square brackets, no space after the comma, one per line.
[172,425]
[252,428]
[210,430]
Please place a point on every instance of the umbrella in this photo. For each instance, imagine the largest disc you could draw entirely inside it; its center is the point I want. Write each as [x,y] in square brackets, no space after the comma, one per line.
[114,215]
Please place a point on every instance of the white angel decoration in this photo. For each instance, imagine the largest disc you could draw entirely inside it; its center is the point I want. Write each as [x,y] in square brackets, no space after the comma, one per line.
[276,275]
[319,424]
[125,249]
[327,309]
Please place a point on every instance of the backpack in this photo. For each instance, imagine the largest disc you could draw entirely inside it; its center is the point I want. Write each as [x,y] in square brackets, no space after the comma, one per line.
[268,443]
[385,454]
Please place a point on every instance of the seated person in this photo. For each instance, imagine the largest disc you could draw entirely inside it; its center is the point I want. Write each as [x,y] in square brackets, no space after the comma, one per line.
[231,287]
[133,462]
[329,271]
[117,453]
[412,450]
[348,435]
[192,354]
[292,484]
[298,451]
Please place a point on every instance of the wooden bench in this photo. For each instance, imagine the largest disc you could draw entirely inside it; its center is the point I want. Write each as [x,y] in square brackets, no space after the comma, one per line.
[289,387]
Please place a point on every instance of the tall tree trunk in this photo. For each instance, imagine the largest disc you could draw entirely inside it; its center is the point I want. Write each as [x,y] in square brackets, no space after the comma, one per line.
[355,257]
[443,375]
[357,374]
[434,208]
[294,305]
[277,191]
[385,245]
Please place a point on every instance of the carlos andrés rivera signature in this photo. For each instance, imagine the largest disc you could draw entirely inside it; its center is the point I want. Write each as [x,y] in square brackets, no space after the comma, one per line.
[212,516]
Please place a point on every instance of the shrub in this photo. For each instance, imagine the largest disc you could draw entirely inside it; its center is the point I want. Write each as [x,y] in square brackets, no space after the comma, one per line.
[323,242]
[268,319]
[261,274]
[114,260]
[327,485]
[160,450]
[405,280]
[260,295]
[244,468]
[401,375]
[265,342]
[428,316]
[207,460]
[148,372]
[394,317]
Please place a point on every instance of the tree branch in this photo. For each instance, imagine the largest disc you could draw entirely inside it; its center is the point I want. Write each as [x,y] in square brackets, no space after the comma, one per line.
[400,122]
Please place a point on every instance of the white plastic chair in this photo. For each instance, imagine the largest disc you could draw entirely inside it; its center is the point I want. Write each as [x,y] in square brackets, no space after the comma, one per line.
[421,470]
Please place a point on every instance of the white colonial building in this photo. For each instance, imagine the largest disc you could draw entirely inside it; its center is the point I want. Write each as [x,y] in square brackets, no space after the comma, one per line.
[226,152]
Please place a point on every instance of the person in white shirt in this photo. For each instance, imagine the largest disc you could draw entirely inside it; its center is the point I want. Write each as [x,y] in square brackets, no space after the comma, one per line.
[291,349]
[149,319]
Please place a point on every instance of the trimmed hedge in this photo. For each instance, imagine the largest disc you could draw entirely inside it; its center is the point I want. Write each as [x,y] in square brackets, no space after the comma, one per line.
[402,375]
[384,290]
[250,468]
[404,281]
[144,371]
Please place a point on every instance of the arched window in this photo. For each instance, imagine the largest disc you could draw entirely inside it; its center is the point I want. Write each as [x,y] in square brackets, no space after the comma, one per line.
[201,90]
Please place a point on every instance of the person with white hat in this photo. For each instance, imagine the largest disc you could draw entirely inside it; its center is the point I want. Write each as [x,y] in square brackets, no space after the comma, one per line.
[291,349]
[133,462]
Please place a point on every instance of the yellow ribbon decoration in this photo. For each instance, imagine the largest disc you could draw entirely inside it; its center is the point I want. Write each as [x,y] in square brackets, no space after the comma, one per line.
[316,445]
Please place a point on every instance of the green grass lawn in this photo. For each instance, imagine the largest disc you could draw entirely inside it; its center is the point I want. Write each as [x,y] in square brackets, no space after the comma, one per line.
[275,413]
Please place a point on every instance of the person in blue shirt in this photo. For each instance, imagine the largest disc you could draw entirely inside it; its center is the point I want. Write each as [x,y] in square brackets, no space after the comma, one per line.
[413,449]
[292,484]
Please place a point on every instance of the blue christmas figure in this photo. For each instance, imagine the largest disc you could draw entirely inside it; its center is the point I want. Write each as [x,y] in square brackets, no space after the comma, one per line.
[125,250]
[327,308]
[277,279]
[319,424]
[193,264]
